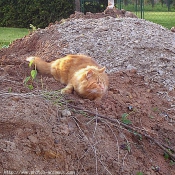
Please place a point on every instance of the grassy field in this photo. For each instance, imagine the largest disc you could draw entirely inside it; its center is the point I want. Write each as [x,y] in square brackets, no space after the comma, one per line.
[7,35]
[166,19]
[158,14]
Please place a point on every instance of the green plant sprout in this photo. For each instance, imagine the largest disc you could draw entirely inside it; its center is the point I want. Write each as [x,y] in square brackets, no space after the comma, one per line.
[109,50]
[33,27]
[125,120]
[155,109]
[129,147]
[172,163]
[10,89]
[32,76]
[126,146]
[139,173]
[166,156]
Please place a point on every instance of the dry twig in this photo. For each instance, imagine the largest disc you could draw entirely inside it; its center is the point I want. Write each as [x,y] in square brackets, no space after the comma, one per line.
[168,150]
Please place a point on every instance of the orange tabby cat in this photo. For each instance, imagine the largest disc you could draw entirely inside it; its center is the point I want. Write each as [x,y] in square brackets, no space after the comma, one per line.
[79,72]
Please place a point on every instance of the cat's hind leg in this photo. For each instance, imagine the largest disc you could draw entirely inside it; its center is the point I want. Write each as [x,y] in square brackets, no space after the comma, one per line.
[68,89]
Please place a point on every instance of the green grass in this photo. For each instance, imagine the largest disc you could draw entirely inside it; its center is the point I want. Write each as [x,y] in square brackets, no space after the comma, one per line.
[7,35]
[166,19]
[148,7]
[159,8]
[158,14]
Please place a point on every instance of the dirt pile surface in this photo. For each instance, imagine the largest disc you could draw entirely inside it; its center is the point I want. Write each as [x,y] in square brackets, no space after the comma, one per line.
[131,130]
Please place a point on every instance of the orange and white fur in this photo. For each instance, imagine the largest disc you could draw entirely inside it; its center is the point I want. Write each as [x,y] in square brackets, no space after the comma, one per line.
[79,72]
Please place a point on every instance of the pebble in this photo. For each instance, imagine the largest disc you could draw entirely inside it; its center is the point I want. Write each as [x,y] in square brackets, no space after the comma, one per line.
[65,113]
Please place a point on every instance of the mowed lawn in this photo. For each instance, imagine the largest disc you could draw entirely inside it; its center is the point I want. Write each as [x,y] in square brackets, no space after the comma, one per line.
[7,35]
[166,19]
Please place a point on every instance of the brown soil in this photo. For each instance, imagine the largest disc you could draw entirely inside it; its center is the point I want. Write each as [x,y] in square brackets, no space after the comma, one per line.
[42,131]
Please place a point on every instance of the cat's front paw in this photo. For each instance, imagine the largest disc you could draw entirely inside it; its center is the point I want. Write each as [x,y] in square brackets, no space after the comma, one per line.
[66,91]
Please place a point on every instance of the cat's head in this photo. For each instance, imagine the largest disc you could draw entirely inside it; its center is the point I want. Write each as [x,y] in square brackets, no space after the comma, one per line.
[93,83]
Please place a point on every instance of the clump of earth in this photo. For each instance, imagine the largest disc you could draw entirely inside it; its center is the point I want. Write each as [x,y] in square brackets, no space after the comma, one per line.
[130,131]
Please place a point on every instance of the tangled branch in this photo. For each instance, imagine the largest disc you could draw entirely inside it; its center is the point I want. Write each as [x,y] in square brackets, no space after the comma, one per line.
[164,147]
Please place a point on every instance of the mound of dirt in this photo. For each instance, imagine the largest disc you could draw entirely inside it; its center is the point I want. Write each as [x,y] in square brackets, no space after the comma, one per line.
[130,130]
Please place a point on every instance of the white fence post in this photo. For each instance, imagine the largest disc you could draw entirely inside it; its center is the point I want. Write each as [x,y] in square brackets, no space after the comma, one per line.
[110,4]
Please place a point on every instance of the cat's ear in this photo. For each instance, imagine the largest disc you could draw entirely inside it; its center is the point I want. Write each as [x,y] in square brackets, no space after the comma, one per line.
[102,69]
[89,74]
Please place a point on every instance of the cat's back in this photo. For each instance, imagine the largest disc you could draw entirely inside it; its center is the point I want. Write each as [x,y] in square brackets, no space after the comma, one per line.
[78,61]
[72,63]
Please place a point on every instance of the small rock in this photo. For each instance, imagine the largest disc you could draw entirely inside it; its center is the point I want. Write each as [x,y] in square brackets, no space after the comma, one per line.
[65,113]
[160,72]
[130,67]
[81,101]
[130,108]
[56,141]
[33,139]
[173,29]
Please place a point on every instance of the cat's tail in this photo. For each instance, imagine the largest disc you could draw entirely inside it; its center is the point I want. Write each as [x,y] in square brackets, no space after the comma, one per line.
[42,66]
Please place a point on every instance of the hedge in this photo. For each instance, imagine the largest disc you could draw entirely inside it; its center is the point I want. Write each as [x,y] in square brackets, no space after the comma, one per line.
[94,6]
[22,13]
